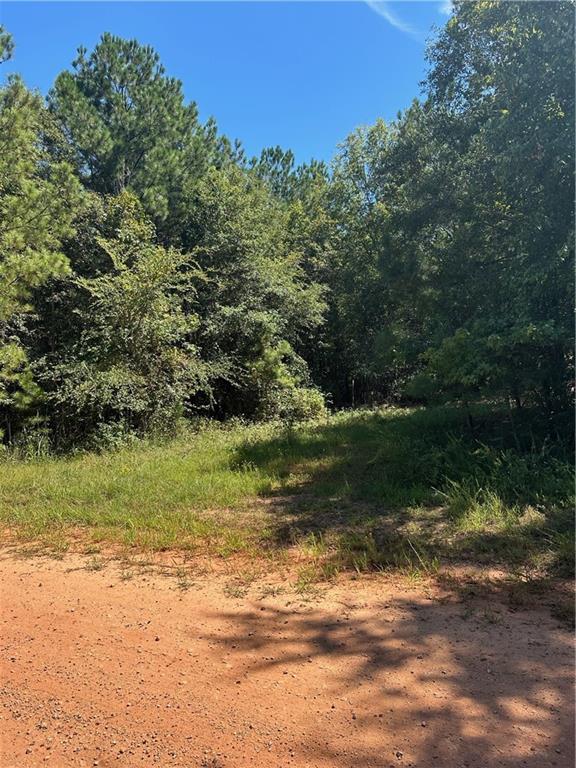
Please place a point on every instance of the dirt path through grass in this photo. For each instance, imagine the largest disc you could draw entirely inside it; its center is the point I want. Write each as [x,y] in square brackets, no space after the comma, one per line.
[100,670]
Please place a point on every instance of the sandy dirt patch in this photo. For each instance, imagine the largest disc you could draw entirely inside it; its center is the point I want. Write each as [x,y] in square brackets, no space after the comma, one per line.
[100,670]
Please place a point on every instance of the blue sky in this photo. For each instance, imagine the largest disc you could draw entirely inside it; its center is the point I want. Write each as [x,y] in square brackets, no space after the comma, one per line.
[299,74]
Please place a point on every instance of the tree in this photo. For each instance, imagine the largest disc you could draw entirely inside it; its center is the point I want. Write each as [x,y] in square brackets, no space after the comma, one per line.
[128,125]
[433,260]
[456,222]
[6,45]
[374,277]
[257,302]
[276,168]
[502,92]
[38,196]
[128,364]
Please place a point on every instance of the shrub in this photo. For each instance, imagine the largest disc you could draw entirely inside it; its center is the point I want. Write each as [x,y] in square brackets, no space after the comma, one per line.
[293,404]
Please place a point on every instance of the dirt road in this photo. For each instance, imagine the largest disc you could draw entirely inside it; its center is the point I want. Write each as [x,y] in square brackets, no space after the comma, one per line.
[103,670]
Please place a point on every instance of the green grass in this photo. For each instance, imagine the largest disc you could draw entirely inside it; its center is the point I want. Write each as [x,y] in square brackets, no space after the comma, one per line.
[152,496]
[363,490]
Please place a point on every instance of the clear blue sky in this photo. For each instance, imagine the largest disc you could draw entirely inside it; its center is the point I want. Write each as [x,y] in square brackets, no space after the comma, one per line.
[298,74]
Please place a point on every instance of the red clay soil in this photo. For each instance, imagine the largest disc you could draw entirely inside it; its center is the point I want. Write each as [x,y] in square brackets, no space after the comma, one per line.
[101,671]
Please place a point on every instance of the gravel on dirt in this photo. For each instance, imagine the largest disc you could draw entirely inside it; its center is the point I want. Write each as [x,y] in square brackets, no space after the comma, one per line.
[101,670]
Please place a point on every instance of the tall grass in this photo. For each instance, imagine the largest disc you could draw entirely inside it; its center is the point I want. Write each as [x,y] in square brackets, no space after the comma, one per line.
[504,493]
[151,495]
[362,489]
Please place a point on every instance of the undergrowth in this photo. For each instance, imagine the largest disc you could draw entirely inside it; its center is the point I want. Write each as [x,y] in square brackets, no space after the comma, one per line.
[403,489]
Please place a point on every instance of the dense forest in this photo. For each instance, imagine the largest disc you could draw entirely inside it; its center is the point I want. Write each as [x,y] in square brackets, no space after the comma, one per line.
[151,272]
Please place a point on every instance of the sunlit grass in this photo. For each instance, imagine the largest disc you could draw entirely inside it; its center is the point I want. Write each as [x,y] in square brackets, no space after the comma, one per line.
[150,496]
[365,490]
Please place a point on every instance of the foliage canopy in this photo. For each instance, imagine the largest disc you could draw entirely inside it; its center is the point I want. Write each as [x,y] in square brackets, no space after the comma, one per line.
[149,271]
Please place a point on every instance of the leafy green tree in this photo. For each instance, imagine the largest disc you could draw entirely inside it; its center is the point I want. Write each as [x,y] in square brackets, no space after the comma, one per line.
[372,277]
[456,222]
[502,89]
[129,365]
[276,168]
[129,127]
[6,45]
[434,259]
[257,302]
[38,196]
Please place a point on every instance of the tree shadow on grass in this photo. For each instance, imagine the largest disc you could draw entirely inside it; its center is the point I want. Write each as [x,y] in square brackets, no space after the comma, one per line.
[400,485]
[417,682]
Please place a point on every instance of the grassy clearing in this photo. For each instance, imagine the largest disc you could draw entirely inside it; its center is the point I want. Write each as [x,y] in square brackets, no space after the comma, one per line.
[150,496]
[398,488]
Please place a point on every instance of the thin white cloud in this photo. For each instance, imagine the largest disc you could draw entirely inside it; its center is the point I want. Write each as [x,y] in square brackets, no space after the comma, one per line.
[382,8]
[446,7]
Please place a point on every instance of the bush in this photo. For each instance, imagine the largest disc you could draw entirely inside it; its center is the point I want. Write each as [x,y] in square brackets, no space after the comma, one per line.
[292,404]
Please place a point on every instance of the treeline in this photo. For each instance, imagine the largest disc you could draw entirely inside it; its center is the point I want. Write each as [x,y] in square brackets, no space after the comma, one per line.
[150,271]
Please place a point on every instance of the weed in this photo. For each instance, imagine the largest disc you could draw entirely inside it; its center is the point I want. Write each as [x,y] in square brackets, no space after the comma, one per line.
[366,490]
[271,590]
[183,579]
[308,578]
[491,617]
[233,589]
[91,549]
[313,544]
